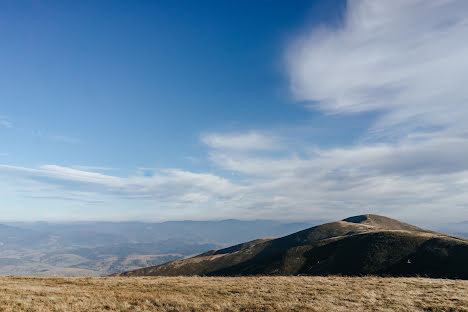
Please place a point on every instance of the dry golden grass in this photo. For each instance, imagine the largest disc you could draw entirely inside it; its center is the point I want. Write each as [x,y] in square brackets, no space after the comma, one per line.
[232,294]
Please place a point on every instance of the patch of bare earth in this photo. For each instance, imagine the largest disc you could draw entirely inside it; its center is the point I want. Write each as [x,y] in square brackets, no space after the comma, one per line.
[232,294]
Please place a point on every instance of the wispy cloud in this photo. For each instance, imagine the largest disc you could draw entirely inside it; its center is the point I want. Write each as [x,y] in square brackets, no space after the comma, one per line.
[405,59]
[65,139]
[5,123]
[414,179]
[169,186]
[251,141]
[93,168]
[422,180]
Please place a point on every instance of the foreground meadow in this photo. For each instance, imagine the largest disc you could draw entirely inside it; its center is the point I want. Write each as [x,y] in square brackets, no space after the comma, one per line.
[232,294]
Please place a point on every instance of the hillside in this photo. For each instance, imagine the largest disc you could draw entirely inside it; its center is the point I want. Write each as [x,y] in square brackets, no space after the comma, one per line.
[360,245]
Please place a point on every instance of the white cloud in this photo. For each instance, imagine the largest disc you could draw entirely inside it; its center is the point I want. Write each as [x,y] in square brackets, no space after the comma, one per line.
[93,168]
[403,58]
[406,61]
[417,180]
[5,123]
[65,139]
[420,180]
[168,185]
[251,141]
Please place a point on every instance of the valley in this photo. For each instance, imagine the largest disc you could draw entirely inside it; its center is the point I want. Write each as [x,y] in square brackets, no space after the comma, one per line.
[103,248]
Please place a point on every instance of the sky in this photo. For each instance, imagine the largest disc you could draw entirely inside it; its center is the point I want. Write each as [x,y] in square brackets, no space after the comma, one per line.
[207,110]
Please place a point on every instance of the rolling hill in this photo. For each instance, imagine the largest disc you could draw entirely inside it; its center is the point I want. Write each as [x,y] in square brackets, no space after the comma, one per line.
[360,245]
[102,248]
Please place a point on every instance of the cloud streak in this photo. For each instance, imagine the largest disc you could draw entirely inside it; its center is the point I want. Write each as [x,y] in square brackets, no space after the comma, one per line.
[5,123]
[418,179]
[251,141]
[65,139]
[405,59]
[410,179]
[163,186]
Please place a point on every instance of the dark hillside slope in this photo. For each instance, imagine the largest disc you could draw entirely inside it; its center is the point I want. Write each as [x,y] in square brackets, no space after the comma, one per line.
[367,244]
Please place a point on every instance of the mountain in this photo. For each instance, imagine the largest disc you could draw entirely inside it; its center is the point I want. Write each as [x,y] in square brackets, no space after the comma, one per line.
[96,234]
[458,229]
[360,245]
[102,248]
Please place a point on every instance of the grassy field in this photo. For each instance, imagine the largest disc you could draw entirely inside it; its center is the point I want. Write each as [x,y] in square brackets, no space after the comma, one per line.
[232,294]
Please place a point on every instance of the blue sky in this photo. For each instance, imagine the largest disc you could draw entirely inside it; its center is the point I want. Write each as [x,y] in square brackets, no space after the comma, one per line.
[117,78]
[157,110]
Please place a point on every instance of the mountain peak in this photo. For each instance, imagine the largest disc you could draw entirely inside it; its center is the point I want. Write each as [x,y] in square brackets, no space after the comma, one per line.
[357,219]
[384,223]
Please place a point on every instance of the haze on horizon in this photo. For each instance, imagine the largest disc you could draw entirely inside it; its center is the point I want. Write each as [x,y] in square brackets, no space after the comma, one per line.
[249,110]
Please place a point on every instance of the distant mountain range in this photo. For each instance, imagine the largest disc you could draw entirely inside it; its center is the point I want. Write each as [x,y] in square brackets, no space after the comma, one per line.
[360,245]
[457,229]
[102,248]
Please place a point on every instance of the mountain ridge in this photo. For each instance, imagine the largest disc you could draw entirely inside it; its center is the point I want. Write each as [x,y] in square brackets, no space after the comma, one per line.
[359,245]
[100,248]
